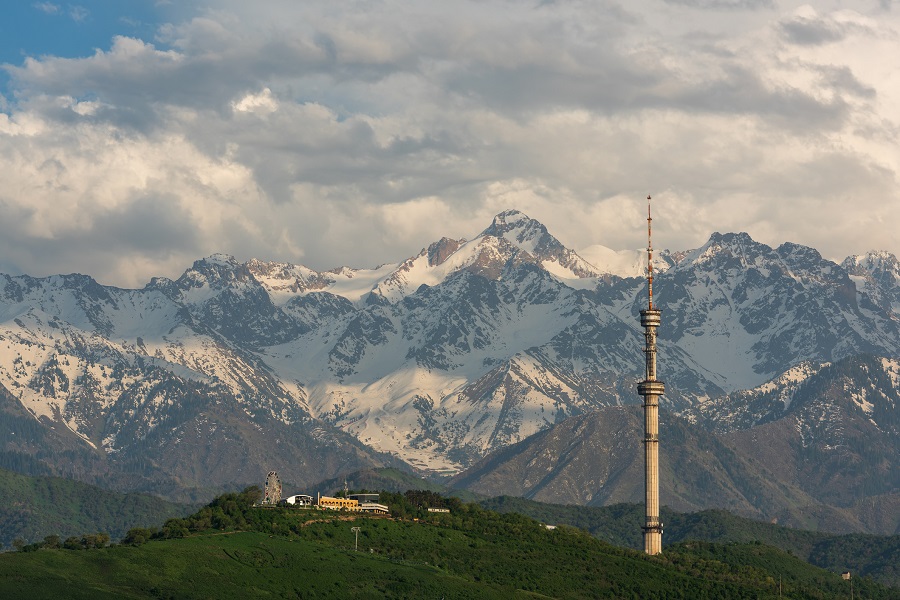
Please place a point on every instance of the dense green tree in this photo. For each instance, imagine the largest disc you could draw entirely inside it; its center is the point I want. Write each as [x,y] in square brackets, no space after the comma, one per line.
[72,543]
[138,535]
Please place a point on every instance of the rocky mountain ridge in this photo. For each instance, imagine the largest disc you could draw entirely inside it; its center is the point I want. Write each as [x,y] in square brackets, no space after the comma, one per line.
[465,348]
[800,451]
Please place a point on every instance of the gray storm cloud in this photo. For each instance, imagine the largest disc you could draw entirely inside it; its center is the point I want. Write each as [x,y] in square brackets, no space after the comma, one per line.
[358,133]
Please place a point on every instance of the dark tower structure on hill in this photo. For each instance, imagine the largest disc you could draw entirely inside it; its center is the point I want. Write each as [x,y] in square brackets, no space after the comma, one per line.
[651,389]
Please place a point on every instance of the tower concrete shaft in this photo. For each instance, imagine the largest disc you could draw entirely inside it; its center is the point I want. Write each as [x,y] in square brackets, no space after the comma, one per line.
[651,389]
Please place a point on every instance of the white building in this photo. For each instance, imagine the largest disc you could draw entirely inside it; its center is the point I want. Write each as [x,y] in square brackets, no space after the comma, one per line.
[298,500]
[374,507]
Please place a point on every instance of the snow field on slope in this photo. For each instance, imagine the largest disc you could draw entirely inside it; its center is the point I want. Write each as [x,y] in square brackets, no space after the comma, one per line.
[192,356]
[353,284]
[148,315]
[726,348]
[25,359]
[374,403]
[789,381]
[44,305]
[279,285]
[381,414]
[416,272]
[518,330]
[623,263]
[567,277]
[41,345]
[169,345]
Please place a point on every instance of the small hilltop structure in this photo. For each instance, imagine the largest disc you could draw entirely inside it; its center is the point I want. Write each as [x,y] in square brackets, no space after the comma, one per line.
[367,503]
[363,502]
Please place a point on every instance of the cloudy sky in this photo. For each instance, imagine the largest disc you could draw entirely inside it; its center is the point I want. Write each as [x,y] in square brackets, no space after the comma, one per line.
[137,136]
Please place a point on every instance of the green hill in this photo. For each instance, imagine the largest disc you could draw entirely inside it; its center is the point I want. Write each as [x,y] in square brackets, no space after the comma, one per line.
[34,507]
[872,556]
[469,553]
[384,478]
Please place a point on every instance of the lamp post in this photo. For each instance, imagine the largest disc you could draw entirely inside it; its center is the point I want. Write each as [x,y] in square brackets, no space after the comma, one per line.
[356,544]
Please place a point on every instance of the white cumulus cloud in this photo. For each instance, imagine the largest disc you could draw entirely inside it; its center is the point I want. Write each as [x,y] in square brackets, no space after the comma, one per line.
[357,133]
[261,103]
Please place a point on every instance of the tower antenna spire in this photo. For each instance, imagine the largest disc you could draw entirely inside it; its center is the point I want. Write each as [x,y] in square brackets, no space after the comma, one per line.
[649,255]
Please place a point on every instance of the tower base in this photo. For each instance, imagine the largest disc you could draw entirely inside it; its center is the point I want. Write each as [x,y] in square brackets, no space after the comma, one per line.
[653,539]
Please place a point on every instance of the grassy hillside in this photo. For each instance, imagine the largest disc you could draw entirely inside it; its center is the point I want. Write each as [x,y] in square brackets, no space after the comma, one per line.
[34,507]
[239,565]
[873,556]
[469,553]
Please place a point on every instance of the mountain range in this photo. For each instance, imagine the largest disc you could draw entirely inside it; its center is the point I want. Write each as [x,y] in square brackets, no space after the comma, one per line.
[467,348]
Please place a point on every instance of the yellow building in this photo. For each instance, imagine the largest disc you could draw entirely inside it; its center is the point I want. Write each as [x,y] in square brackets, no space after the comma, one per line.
[338,503]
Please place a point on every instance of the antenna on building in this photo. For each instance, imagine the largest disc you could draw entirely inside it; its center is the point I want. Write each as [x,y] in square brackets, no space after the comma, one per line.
[649,255]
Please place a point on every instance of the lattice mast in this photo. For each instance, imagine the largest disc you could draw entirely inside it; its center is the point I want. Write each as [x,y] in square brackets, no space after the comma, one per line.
[651,389]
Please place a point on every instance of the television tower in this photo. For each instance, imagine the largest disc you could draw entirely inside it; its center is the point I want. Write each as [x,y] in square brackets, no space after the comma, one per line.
[651,389]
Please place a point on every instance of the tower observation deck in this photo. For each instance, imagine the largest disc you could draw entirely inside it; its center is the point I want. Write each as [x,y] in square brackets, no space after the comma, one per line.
[651,389]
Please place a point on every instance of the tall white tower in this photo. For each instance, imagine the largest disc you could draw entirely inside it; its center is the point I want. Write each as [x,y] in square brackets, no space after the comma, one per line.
[651,389]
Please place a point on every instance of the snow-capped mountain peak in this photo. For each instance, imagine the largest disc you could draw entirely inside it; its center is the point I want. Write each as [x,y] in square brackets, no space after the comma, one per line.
[877,275]
[532,237]
[879,264]
[217,270]
[736,250]
[521,230]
